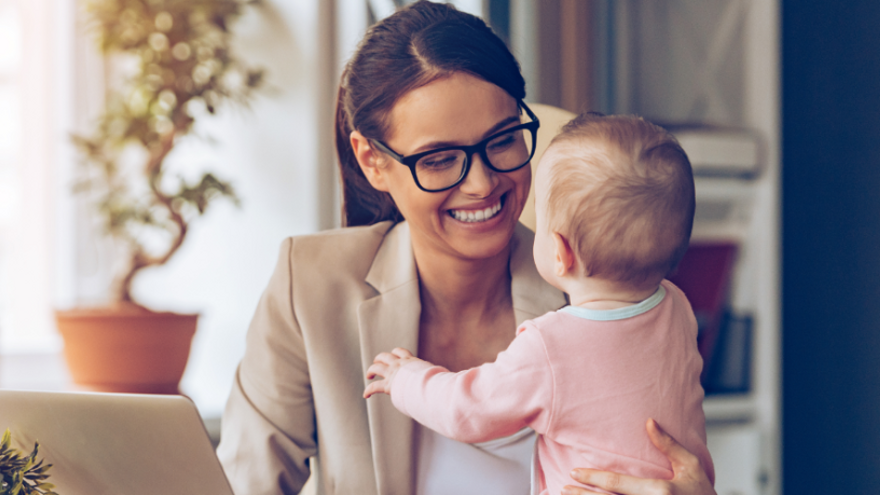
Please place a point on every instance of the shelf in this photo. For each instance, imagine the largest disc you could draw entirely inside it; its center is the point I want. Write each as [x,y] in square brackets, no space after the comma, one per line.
[723,409]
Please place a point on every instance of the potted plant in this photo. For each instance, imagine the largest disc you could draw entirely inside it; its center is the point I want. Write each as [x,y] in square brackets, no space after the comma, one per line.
[181,68]
[22,474]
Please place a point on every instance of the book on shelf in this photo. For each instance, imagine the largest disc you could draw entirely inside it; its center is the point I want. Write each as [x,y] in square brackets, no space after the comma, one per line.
[730,367]
[720,151]
[704,274]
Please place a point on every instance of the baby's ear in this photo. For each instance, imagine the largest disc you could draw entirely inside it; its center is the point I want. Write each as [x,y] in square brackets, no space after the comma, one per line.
[369,159]
[566,260]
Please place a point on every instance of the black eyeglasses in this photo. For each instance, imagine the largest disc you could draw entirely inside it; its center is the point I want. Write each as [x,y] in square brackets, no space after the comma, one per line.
[444,168]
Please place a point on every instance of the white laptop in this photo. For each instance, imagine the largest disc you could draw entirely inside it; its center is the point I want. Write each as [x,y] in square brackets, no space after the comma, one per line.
[115,444]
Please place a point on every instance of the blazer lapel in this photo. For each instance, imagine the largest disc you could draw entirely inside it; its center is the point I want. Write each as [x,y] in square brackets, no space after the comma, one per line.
[389,320]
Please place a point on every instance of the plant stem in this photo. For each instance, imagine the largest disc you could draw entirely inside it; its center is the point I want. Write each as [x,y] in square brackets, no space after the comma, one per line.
[140,259]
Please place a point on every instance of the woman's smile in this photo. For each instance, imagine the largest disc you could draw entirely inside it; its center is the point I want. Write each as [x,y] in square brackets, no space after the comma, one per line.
[472,215]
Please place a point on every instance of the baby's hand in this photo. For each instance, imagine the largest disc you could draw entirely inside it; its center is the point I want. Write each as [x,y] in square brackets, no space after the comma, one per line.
[386,365]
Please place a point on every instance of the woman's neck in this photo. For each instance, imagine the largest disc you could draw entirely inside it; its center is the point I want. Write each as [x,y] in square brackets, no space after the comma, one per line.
[453,286]
[467,310]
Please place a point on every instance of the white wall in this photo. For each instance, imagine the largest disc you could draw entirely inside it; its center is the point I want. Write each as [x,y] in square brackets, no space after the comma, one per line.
[270,154]
[29,153]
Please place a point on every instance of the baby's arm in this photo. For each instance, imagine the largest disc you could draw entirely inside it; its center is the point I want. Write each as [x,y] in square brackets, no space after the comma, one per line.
[479,404]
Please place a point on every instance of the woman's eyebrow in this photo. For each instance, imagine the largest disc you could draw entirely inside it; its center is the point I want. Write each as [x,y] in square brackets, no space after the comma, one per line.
[433,145]
[501,125]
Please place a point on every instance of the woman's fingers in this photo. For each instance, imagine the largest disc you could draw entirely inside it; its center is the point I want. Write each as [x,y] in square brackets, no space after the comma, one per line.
[613,482]
[688,476]
[684,464]
[576,490]
[665,443]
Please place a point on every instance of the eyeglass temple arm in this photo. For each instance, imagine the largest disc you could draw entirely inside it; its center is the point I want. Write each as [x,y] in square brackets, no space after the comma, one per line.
[529,112]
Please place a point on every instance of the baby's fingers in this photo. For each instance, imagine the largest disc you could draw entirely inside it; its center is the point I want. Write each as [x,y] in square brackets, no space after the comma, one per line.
[401,353]
[380,369]
[377,387]
[385,357]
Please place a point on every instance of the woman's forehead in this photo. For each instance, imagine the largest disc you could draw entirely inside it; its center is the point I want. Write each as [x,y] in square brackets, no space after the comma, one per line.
[458,109]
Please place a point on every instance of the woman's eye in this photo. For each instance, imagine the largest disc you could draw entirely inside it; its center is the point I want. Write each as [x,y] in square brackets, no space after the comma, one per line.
[438,161]
[502,142]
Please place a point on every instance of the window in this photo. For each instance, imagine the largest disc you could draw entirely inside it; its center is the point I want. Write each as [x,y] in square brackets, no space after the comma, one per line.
[13,219]
[36,91]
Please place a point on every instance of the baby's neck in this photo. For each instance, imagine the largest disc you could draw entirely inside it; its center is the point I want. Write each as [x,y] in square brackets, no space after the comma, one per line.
[600,294]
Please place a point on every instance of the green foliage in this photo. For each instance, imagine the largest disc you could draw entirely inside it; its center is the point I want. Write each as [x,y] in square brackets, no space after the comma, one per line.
[22,474]
[184,69]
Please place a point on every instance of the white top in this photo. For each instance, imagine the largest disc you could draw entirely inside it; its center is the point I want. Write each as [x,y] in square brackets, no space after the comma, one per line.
[498,467]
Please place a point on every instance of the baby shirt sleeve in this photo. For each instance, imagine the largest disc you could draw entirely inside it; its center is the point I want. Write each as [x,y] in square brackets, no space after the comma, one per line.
[490,401]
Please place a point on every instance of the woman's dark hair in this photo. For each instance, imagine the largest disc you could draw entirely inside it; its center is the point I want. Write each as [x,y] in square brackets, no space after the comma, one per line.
[416,45]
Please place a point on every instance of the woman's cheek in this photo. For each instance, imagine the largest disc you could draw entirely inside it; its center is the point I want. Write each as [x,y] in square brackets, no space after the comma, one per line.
[523,184]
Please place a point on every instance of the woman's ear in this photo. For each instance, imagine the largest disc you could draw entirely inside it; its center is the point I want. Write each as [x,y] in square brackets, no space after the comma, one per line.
[369,159]
[565,260]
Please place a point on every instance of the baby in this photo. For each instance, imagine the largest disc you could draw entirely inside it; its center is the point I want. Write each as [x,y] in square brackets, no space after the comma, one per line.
[615,205]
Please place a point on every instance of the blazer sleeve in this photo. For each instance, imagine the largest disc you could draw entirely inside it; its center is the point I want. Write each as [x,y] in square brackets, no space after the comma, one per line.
[268,428]
[490,401]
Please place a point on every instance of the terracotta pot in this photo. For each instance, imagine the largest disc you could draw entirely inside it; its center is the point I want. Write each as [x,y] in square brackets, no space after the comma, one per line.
[126,348]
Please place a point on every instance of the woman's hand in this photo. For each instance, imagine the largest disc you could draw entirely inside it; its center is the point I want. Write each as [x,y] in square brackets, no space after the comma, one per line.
[386,365]
[688,477]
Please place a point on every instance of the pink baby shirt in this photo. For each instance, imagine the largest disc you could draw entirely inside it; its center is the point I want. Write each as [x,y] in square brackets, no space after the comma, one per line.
[586,381]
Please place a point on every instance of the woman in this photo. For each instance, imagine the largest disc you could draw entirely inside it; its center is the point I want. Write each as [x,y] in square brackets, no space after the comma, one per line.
[433,139]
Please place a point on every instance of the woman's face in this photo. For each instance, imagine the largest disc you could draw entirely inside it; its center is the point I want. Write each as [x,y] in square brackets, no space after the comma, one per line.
[455,111]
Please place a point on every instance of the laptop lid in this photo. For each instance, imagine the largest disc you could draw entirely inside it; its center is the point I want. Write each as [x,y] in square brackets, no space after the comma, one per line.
[112,444]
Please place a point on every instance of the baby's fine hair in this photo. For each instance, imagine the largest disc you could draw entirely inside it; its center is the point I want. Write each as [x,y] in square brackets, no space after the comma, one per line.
[623,196]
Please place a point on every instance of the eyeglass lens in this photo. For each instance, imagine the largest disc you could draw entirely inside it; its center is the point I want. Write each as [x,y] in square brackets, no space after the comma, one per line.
[506,151]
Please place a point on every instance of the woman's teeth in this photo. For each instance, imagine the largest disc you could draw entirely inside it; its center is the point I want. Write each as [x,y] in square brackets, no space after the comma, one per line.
[476,215]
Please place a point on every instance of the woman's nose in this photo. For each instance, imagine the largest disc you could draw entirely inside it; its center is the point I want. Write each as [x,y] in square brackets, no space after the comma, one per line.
[480,180]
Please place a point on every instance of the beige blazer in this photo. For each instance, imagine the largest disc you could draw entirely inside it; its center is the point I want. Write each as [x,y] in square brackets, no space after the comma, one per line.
[335,300]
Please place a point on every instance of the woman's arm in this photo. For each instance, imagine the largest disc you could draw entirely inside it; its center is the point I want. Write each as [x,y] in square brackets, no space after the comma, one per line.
[268,431]
[688,478]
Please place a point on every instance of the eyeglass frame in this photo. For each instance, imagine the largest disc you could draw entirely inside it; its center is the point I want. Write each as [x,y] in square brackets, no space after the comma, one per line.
[411,160]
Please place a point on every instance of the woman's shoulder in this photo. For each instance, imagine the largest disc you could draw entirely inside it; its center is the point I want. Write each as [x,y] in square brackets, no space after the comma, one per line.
[339,249]
[340,240]
[377,229]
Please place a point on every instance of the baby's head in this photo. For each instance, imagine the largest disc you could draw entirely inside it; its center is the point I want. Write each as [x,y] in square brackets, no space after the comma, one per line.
[620,191]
